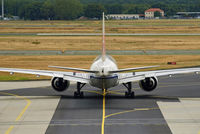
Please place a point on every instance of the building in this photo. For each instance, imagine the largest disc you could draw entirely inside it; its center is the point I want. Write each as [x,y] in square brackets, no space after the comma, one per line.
[149,14]
[10,18]
[123,16]
[187,15]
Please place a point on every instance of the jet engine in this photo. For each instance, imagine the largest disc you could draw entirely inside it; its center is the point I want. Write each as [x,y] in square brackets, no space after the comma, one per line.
[59,84]
[148,84]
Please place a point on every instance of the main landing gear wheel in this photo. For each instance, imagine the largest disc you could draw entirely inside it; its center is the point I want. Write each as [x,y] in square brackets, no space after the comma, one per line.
[130,93]
[78,93]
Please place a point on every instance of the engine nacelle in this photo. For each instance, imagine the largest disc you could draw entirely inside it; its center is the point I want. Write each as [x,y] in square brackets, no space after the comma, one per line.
[148,84]
[59,84]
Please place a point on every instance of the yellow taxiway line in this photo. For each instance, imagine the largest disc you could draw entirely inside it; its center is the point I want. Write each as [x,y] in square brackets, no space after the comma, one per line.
[104,109]
[21,113]
[96,92]
[128,111]
[113,114]
[9,130]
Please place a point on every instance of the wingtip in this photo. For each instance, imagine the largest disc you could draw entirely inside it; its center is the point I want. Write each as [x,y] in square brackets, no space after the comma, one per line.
[157,66]
[51,66]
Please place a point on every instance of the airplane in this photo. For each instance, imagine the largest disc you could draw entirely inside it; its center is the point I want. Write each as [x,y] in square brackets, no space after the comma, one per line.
[103,74]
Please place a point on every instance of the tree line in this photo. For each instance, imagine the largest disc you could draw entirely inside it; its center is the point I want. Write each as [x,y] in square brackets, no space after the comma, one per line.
[73,9]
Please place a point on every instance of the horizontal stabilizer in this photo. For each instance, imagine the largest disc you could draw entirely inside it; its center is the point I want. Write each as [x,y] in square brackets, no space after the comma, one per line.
[131,69]
[75,69]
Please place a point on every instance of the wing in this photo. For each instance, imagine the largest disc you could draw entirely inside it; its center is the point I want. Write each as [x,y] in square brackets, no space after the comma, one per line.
[131,69]
[75,69]
[169,72]
[129,77]
[136,76]
[71,76]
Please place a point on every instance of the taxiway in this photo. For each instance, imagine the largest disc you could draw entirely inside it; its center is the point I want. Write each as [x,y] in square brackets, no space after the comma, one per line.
[173,108]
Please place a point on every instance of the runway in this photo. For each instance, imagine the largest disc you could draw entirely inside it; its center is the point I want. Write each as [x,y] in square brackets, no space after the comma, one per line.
[99,34]
[93,52]
[173,108]
[118,34]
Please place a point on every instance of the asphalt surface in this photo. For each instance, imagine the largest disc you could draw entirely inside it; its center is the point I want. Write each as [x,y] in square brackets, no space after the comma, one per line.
[99,34]
[92,52]
[140,115]
[119,34]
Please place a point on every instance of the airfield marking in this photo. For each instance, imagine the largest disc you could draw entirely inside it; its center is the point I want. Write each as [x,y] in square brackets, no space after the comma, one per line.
[178,123]
[128,111]
[103,116]
[9,129]
[22,112]
[93,92]
[113,114]
[113,92]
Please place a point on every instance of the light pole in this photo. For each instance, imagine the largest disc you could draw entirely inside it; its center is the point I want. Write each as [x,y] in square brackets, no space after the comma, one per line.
[2,3]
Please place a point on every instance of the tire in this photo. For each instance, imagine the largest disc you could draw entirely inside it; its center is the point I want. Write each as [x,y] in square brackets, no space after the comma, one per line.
[126,94]
[81,95]
[132,95]
[75,94]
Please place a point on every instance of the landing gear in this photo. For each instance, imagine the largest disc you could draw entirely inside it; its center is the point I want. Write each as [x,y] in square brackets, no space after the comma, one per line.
[78,93]
[130,93]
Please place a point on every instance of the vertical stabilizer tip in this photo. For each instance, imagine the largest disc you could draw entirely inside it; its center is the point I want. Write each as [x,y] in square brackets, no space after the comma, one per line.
[103,38]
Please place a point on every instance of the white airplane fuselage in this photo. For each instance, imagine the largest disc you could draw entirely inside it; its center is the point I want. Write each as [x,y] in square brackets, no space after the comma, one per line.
[103,79]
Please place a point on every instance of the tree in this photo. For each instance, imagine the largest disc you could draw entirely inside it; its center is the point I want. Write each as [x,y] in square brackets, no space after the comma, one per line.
[94,11]
[137,9]
[114,8]
[160,5]
[33,10]
[47,10]
[67,9]
[72,9]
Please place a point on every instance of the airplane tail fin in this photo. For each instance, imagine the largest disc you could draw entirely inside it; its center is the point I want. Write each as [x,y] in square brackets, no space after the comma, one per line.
[103,38]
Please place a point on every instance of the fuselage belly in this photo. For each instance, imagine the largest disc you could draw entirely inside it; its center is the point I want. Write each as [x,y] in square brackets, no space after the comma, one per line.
[104,82]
